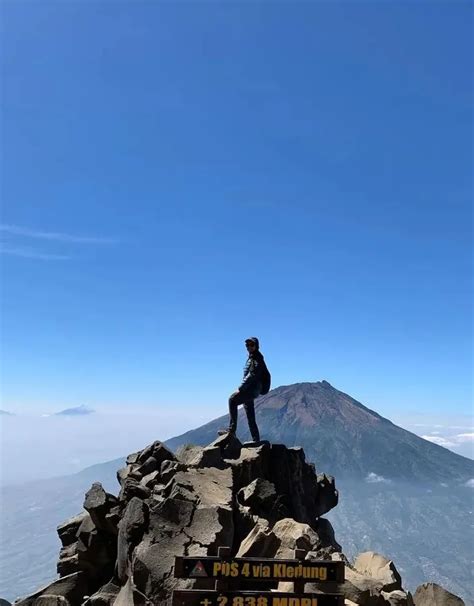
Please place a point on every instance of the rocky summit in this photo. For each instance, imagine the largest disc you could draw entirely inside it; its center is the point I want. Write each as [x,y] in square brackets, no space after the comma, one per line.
[256,499]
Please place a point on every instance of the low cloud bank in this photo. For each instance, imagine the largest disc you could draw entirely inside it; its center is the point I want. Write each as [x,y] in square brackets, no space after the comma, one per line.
[36,447]
[455,432]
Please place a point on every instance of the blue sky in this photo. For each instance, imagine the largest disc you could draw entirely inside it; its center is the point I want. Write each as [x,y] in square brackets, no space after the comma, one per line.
[179,176]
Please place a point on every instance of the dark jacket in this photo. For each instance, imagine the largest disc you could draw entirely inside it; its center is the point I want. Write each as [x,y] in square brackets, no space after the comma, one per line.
[253,369]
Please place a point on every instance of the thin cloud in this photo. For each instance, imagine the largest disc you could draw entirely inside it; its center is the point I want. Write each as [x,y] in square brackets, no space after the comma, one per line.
[439,440]
[373,478]
[30,253]
[17,230]
[465,437]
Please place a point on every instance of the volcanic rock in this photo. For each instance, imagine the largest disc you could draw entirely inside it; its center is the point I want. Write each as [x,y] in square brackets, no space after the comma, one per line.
[379,568]
[256,500]
[431,594]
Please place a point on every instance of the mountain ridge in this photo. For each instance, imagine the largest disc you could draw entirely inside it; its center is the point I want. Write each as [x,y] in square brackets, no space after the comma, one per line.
[342,435]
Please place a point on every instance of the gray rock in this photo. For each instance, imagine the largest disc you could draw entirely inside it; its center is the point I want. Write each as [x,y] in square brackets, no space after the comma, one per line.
[96,551]
[361,589]
[106,596]
[431,594]
[132,488]
[67,591]
[157,450]
[187,453]
[126,472]
[131,529]
[169,469]
[259,495]
[112,520]
[229,446]
[326,533]
[251,464]
[294,535]
[397,598]
[133,457]
[379,568]
[261,542]
[130,596]
[151,464]
[98,503]
[327,496]
[195,518]
[209,457]
[68,529]
[260,500]
[68,560]
[150,480]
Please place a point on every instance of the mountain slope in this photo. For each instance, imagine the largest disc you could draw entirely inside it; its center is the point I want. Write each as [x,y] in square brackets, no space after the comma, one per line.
[342,436]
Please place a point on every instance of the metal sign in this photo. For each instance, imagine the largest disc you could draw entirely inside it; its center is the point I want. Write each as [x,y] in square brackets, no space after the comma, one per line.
[260,569]
[202,597]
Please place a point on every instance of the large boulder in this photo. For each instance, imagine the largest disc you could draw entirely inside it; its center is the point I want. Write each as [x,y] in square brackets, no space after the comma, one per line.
[195,517]
[397,598]
[431,594]
[280,540]
[98,504]
[131,529]
[67,591]
[358,588]
[68,529]
[106,595]
[379,568]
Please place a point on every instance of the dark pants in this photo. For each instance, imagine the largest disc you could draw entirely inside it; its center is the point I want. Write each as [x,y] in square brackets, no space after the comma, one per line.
[247,401]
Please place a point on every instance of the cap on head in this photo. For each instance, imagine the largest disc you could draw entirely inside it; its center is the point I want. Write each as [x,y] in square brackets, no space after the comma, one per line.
[253,340]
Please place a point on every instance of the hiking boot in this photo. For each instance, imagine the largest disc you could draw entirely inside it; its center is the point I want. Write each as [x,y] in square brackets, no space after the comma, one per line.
[223,432]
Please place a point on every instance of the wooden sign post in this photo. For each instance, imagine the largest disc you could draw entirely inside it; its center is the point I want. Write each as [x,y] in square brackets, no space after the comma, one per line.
[223,568]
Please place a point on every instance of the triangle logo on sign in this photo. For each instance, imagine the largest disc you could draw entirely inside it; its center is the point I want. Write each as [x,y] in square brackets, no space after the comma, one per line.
[199,570]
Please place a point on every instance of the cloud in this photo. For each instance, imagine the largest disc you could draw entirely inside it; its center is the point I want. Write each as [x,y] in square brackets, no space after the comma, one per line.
[26,232]
[373,478]
[465,437]
[440,441]
[450,441]
[470,483]
[30,253]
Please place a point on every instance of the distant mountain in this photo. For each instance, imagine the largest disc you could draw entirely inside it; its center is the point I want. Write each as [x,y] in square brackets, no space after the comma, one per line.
[77,411]
[5,412]
[399,494]
[343,437]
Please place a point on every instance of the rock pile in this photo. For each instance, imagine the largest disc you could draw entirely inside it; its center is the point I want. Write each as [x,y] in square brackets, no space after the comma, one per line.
[261,500]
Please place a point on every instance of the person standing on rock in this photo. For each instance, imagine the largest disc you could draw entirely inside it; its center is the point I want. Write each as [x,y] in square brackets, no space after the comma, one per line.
[250,388]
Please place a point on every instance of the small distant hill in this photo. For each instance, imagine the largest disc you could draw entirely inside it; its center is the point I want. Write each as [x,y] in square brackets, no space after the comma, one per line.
[6,413]
[77,411]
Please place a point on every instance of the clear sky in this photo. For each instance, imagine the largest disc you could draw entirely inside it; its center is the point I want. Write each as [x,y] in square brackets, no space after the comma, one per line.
[179,176]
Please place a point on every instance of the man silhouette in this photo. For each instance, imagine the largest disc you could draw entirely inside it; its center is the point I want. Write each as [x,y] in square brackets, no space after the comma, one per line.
[249,389]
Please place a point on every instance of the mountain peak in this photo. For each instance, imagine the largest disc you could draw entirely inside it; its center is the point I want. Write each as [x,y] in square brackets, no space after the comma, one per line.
[325,383]
[343,436]
[76,411]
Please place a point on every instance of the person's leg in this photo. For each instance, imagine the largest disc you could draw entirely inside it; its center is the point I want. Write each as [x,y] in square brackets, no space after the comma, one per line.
[233,414]
[250,410]
[234,401]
